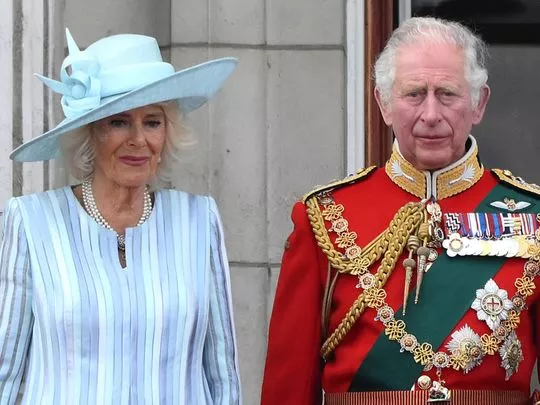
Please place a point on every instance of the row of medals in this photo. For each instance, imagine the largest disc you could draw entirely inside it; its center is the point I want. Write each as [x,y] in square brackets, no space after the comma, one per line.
[519,241]
[457,245]
[512,246]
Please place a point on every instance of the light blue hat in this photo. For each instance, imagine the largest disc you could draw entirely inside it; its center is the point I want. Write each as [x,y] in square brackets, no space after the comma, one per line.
[117,74]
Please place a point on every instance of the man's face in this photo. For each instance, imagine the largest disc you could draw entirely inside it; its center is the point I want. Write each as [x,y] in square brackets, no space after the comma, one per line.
[430,108]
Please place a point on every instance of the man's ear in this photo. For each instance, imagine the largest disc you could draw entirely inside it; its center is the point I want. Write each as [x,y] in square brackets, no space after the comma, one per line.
[478,112]
[383,107]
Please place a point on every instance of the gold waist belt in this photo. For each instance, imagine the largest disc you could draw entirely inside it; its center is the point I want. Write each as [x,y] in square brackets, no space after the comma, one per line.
[458,397]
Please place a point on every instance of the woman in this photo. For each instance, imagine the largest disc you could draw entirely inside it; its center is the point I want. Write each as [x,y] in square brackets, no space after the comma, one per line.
[111,293]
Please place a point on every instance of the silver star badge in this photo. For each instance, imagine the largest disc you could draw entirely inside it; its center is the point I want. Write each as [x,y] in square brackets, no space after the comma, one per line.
[465,340]
[492,304]
[511,354]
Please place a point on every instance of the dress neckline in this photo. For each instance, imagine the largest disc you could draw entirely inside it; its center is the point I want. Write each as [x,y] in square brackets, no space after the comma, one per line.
[89,218]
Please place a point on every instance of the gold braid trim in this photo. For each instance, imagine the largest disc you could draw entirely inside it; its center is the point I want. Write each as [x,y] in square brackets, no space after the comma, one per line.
[370,254]
[359,175]
[404,224]
[405,175]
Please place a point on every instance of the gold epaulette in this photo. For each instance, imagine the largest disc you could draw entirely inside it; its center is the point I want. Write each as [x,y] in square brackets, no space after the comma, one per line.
[506,177]
[340,183]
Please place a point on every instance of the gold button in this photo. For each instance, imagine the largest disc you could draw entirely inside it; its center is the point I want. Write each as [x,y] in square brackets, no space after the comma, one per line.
[507,172]
[424,382]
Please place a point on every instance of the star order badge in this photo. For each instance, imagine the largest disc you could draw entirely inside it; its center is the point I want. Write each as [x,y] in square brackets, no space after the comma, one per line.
[467,342]
[492,304]
[511,354]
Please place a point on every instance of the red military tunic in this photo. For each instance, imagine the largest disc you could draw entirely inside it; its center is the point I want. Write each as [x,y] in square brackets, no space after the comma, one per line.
[296,374]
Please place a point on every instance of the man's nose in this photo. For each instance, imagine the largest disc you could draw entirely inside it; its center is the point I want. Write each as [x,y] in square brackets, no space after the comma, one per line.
[431,113]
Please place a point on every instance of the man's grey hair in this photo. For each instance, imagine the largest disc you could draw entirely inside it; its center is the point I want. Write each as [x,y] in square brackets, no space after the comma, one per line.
[418,30]
[78,154]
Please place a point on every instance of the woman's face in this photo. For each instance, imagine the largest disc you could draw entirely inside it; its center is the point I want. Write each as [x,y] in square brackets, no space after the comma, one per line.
[128,145]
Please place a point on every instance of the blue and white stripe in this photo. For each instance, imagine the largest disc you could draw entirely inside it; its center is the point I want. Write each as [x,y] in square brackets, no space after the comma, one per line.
[159,331]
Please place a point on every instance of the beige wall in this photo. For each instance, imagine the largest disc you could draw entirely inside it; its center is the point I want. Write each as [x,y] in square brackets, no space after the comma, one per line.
[276,130]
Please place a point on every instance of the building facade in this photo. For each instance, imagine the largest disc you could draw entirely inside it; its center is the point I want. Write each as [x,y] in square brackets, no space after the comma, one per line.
[290,118]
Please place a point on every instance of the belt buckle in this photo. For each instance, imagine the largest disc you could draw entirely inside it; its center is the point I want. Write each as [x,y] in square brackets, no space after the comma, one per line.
[439,393]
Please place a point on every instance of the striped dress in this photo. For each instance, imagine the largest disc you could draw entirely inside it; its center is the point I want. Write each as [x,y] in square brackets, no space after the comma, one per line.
[84,330]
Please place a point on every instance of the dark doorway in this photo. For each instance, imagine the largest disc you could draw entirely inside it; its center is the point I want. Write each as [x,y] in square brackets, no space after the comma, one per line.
[509,136]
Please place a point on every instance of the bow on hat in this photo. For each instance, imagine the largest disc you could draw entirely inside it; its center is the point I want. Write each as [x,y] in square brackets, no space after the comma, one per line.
[81,91]
[119,73]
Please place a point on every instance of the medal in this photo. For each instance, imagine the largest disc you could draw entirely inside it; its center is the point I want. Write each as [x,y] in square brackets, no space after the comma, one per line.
[511,354]
[489,234]
[492,304]
[454,244]
[465,340]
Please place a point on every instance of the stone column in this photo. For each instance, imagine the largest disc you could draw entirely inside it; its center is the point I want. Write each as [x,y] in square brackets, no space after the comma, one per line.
[30,34]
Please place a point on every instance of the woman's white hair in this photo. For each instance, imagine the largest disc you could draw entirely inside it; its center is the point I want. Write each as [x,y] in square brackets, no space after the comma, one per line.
[78,153]
[432,30]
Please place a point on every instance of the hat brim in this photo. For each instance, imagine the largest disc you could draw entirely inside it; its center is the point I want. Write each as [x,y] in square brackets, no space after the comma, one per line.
[191,88]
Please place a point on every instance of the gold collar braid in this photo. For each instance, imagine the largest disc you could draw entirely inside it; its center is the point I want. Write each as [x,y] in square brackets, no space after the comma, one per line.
[440,184]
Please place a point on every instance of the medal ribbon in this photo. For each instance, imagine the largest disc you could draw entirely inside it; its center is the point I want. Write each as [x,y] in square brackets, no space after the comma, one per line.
[480,225]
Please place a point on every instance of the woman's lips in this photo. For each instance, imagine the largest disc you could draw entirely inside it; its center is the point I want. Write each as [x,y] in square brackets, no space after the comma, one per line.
[134,160]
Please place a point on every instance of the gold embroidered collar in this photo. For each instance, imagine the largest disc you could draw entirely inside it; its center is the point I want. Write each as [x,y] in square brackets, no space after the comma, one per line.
[442,183]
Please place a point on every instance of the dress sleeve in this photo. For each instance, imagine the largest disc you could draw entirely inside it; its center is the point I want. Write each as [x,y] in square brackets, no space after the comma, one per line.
[292,373]
[220,359]
[16,317]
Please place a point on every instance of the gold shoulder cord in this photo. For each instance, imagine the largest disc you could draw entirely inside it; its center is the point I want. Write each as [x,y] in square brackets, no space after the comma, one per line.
[359,175]
[370,254]
[506,176]
[390,243]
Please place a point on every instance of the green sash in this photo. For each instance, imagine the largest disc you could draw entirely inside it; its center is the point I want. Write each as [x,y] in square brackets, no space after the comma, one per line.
[448,290]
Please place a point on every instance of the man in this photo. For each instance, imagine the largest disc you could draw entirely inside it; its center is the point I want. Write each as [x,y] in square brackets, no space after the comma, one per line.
[415,282]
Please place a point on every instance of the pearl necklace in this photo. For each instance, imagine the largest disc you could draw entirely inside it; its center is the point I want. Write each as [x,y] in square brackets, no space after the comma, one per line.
[92,209]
